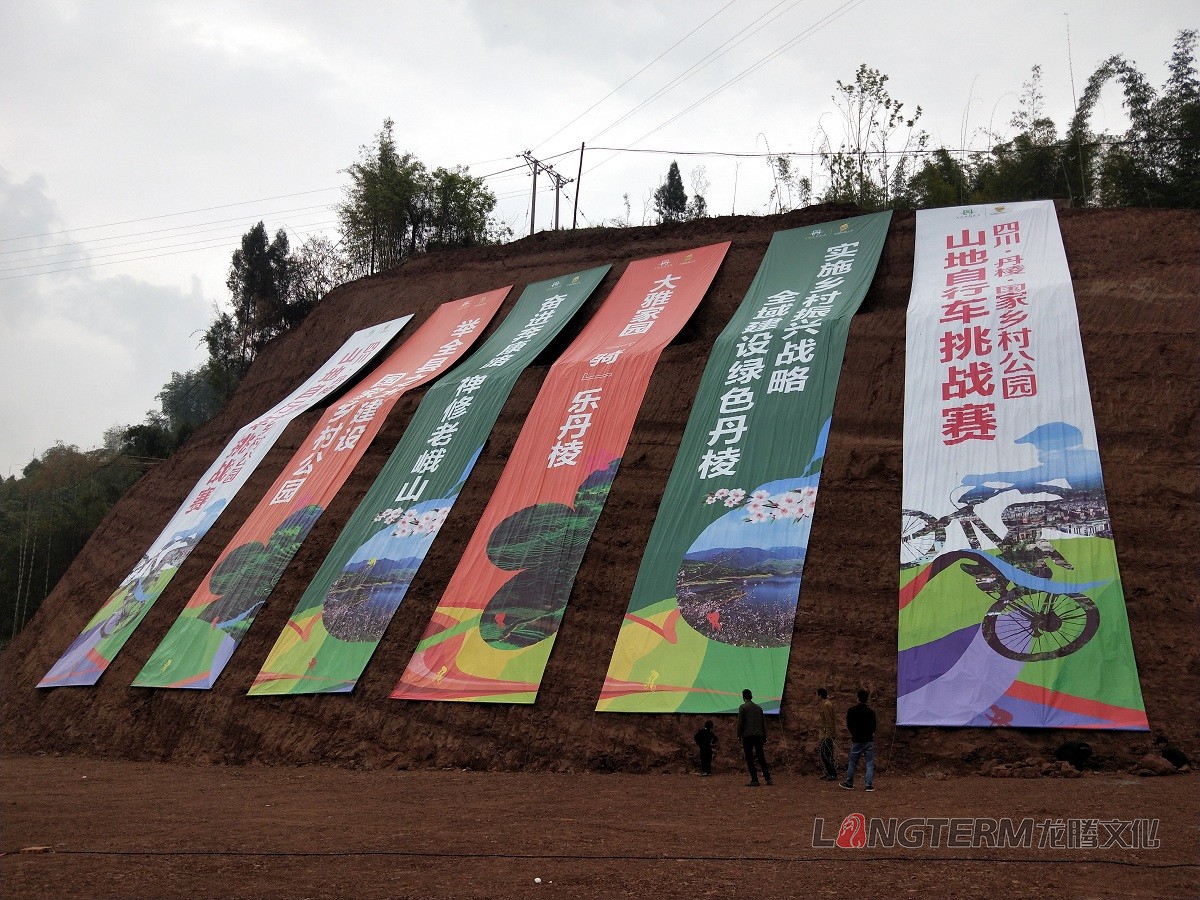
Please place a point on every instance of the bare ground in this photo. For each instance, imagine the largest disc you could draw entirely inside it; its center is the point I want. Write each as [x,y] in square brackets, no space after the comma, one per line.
[125,829]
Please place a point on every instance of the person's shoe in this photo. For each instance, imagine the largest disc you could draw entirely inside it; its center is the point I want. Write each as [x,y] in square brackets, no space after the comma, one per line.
[751,784]
[829,778]
[704,774]
[846,787]
[769,782]
[869,788]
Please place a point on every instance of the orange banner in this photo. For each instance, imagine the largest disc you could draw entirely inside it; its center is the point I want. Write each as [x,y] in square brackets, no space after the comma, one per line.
[493,631]
[200,642]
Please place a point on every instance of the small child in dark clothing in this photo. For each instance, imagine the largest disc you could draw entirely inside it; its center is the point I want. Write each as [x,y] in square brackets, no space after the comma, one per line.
[707,741]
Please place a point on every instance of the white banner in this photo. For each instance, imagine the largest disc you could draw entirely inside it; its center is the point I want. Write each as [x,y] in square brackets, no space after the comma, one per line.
[89,655]
[1011,610]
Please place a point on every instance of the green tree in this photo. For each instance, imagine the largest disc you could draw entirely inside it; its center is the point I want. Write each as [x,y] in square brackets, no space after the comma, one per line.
[697,207]
[874,157]
[260,284]
[460,208]
[151,439]
[671,199]
[382,217]
[189,399]
[1156,162]
[394,208]
[46,516]
[317,268]
[1032,165]
[791,190]
[228,356]
[941,180]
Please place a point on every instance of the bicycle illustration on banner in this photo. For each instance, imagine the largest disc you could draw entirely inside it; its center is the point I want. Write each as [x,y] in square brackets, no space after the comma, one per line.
[1032,616]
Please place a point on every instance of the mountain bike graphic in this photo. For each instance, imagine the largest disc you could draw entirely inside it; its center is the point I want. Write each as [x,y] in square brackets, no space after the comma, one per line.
[1032,617]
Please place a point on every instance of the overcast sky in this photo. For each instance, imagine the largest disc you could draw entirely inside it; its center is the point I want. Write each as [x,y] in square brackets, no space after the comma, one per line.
[140,140]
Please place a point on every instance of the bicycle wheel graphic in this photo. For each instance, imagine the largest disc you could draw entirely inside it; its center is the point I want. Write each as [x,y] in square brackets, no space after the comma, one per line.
[921,538]
[1031,625]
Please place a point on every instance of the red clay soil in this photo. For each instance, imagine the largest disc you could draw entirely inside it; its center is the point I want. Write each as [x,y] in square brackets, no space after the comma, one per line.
[1136,278]
[104,828]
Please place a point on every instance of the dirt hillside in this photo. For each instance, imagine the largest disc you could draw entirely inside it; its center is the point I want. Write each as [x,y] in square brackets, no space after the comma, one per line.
[1137,281]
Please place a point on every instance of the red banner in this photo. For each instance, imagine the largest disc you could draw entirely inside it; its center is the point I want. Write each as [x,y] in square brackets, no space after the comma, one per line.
[216,618]
[493,631]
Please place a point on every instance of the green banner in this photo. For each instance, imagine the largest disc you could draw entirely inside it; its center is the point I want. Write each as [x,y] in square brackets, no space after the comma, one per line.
[490,637]
[714,604]
[342,615]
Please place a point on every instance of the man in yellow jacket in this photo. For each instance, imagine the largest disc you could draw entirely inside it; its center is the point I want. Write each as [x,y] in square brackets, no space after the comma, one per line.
[827,731]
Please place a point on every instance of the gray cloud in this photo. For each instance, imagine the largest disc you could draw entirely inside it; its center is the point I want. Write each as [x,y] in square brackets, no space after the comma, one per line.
[79,351]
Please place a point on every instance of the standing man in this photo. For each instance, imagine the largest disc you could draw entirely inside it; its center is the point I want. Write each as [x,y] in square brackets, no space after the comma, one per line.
[860,722]
[752,732]
[826,733]
[706,740]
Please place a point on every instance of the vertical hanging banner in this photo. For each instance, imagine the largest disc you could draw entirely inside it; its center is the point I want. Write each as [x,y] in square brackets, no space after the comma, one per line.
[221,611]
[1011,609]
[343,614]
[106,633]
[492,634]
[714,604]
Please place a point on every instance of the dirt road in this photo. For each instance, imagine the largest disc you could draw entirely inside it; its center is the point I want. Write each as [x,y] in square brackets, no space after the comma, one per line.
[124,829]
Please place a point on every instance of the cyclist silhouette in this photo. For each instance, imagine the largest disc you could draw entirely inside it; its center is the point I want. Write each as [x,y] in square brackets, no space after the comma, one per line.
[1061,457]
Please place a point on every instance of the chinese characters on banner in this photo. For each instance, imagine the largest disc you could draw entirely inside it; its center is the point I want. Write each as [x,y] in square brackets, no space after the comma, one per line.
[342,615]
[492,633]
[222,609]
[713,607]
[89,655]
[982,273]
[1011,608]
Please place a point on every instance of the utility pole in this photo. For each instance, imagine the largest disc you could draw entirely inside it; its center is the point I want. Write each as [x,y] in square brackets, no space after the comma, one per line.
[535,166]
[559,183]
[578,184]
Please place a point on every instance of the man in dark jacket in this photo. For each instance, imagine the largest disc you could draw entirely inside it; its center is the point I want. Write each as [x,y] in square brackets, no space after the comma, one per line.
[860,722]
[752,732]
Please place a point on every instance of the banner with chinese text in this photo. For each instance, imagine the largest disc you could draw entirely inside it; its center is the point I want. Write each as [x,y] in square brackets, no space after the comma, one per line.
[1011,608]
[714,604]
[490,637]
[343,614]
[218,615]
[106,633]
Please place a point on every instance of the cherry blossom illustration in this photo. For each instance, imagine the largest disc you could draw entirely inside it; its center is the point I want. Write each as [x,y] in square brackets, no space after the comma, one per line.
[763,506]
[408,522]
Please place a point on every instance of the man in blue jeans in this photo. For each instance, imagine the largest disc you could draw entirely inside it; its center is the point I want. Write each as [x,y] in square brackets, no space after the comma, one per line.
[860,722]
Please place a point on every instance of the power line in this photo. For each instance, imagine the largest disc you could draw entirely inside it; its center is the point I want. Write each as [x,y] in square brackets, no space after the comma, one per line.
[560,181]
[758,154]
[58,259]
[169,215]
[182,228]
[520,167]
[808,32]
[637,73]
[703,63]
[120,261]
[142,245]
[804,35]
[523,166]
